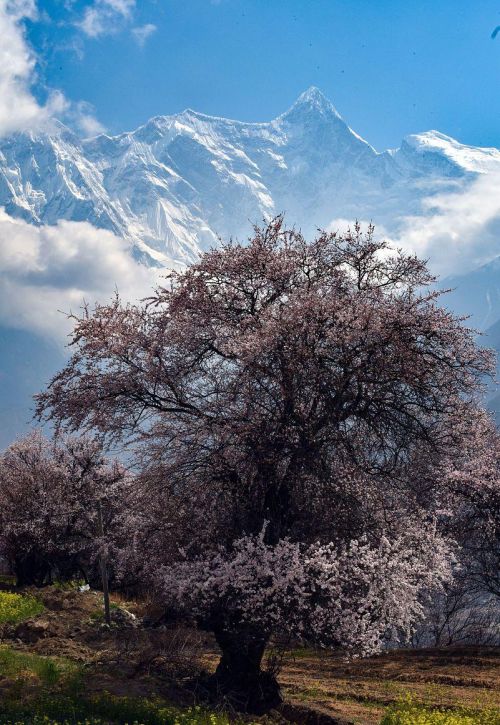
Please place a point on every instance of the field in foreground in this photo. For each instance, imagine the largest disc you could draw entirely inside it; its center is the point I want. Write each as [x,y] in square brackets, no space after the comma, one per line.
[362,691]
[61,660]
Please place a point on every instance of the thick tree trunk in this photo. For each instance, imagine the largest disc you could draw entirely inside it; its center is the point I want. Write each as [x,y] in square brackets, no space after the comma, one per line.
[239,677]
[30,570]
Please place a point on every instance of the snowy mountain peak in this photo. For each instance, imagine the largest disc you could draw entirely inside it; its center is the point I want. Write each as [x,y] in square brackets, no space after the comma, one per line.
[312,101]
[446,148]
[176,184]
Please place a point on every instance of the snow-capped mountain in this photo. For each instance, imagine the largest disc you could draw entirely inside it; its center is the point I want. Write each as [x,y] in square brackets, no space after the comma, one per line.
[175,185]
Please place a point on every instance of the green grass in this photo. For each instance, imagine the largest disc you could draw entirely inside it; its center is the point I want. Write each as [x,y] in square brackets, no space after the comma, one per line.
[49,670]
[59,698]
[98,616]
[411,714]
[38,720]
[15,608]
[57,709]
[71,585]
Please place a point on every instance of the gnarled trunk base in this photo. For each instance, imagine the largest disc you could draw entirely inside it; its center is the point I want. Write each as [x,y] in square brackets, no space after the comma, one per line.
[30,570]
[239,678]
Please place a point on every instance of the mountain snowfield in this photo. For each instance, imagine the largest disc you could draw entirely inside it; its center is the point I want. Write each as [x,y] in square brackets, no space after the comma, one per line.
[173,187]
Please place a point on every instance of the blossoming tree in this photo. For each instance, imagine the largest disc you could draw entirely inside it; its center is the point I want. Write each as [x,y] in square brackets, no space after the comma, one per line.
[281,394]
[473,483]
[51,493]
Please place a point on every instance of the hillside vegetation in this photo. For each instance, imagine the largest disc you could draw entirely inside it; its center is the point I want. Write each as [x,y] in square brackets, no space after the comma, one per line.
[64,664]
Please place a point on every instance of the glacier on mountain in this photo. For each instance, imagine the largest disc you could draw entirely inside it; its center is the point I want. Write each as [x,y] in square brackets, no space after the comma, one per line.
[177,184]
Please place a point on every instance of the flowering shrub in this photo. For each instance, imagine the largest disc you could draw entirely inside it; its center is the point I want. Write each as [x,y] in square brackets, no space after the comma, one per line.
[417,715]
[16,607]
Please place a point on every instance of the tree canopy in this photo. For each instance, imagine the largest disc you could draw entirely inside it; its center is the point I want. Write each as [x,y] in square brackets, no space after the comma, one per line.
[291,402]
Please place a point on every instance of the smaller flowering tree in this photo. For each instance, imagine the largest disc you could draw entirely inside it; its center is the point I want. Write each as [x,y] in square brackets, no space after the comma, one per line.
[472,511]
[467,507]
[49,497]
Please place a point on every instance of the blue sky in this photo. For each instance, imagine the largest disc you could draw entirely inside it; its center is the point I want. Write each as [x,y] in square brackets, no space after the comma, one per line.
[391,68]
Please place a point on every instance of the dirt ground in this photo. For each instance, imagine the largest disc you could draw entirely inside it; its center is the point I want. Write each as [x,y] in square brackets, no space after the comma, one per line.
[131,659]
[361,690]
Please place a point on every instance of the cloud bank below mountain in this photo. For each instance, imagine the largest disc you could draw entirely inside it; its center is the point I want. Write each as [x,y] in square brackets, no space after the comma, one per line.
[47,271]
[457,231]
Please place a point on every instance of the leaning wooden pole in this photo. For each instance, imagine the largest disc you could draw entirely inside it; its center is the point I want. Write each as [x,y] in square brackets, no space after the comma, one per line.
[104,567]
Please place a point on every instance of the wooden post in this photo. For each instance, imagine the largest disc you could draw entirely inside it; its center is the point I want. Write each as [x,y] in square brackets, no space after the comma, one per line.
[104,568]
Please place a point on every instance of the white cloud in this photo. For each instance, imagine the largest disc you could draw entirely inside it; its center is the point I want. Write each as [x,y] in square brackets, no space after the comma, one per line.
[342,225]
[50,268]
[19,109]
[103,17]
[81,115]
[142,32]
[457,230]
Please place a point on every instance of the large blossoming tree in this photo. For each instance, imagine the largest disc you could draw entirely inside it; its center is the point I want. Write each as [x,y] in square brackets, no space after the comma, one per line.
[282,395]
